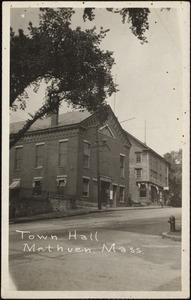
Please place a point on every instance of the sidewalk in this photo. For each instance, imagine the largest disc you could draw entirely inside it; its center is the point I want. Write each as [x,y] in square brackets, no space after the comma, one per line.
[175,236]
[75,212]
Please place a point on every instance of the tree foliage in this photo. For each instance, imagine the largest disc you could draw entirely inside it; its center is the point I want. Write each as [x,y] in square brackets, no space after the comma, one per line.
[69,60]
[136,17]
[175,176]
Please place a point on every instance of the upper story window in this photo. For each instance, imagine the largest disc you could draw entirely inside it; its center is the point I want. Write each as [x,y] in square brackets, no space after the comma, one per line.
[39,155]
[156,164]
[86,160]
[154,175]
[138,173]
[138,157]
[18,157]
[122,165]
[63,150]
[160,178]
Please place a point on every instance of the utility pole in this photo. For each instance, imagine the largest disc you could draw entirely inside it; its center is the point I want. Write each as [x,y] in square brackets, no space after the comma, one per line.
[145,133]
[115,93]
[97,146]
[98,170]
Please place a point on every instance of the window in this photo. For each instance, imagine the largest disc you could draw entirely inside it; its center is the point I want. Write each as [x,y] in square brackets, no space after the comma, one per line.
[151,173]
[85,187]
[138,173]
[121,194]
[39,155]
[61,185]
[154,175]
[122,165]
[160,178]
[143,191]
[138,157]
[86,162]
[114,192]
[156,164]
[63,150]
[18,157]
[37,185]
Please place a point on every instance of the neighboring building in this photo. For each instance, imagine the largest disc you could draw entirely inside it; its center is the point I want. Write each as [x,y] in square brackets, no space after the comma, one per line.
[57,158]
[149,174]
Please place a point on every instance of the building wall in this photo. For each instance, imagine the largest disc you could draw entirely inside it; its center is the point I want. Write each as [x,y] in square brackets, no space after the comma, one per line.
[159,166]
[154,173]
[143,165]
[50,169]
[74,169]
[109,165]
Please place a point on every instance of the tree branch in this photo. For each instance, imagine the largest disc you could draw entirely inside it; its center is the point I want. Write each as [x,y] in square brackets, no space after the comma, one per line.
[45,109]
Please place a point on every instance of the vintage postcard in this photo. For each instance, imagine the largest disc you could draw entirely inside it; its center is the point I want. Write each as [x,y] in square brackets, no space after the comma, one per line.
[95,140]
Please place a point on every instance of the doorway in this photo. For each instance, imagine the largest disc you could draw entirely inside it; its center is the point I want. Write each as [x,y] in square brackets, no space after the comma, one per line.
[154,197]
[114,195]
[105,192]
[13,201]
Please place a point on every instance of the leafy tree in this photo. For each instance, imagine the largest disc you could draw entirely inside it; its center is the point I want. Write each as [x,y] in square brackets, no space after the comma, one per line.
[175,176]
[137,17]
[69,60]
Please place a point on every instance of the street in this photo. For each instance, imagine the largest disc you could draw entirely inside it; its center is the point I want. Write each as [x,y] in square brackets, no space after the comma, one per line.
[108,251]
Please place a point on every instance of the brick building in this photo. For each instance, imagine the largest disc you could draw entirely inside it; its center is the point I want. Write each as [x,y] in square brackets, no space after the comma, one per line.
[148,174]
[57,159]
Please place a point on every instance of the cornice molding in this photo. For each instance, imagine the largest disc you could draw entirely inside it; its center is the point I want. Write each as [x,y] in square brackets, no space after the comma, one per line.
[52,133]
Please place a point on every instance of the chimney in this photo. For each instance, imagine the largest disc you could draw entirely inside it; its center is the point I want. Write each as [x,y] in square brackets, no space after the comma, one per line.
[54,118]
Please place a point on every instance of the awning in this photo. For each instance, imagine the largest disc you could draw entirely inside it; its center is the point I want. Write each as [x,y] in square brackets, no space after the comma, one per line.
[37,178]
[106,179]
[156,187]
[15,184]
[166,188]
[62,181]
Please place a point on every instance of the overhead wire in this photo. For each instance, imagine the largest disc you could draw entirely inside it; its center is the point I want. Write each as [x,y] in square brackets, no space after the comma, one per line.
[167,30]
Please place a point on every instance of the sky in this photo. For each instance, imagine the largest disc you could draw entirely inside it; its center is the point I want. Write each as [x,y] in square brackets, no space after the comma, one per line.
[149,76]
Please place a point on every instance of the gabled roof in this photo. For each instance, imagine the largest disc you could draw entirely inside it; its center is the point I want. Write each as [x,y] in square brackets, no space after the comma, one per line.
[146,148]
[138,141]
[69,118]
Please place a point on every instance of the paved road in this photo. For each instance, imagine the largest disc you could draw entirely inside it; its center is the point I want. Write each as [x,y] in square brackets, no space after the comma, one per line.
[113,251]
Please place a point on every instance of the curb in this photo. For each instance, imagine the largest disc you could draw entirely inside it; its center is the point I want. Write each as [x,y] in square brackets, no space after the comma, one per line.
[133,208]
[167,235]
[40,217]
[76,213]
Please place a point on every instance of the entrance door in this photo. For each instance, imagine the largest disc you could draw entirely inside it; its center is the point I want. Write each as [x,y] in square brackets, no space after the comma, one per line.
[114,195]
[13,201]
[153,194]
[105,192]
